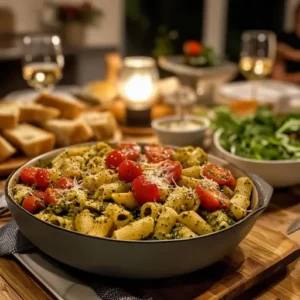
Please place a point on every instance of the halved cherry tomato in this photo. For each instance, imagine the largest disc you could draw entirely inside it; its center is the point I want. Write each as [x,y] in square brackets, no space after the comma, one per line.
[129,170]
[171,170]
[218,174]
[211,198]
[64,183]
[114,158]
[33,204]
[42,178]
[144,191]
[27,175]
[51,196]
[158,153]
[132,151]
[39,194]
[192,48]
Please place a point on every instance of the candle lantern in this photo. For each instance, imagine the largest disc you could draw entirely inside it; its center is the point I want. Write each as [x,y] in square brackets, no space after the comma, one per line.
[138,88]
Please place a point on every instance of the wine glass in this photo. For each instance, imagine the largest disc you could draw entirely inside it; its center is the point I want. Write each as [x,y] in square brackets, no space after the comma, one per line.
[258,52]
[43,61]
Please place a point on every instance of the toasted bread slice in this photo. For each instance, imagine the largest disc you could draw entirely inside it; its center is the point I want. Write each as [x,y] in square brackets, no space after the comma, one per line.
[31,140]
[103,124]
[36,113]
[69,108]
[69,132]
[7,150]
[9,115]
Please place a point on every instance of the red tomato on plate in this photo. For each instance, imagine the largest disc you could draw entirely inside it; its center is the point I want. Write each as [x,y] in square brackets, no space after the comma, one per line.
[114,159]
[42,178]
[28,175]
[211,197]
[132,151]
[192,47]
[144,191]
[218,174]
[129,170]
[64,183]
[158,153]
[171,170]
[51,196]
[33,204]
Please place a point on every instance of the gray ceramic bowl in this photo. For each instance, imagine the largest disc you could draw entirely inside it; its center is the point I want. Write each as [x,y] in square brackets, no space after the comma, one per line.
[193,137]
[136,259]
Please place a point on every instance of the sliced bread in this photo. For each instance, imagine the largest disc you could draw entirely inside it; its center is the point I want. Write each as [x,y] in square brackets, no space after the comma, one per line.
[103,124]
[69,108]
[69,132]
[9,115]
[31,140]
[36,113]
[7,150]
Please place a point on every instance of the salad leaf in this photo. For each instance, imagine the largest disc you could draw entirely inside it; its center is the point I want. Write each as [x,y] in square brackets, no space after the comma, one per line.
[262,136]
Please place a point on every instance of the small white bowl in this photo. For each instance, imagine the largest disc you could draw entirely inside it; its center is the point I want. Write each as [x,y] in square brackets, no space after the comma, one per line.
[187,137]
[278,173]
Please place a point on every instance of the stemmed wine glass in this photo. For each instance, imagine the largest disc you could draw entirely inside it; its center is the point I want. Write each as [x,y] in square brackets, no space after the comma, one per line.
[258,52]
[43,61]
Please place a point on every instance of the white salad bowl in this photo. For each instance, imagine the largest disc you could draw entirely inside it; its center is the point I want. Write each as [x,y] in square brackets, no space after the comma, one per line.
[278,173]
[136,259]
[181,137]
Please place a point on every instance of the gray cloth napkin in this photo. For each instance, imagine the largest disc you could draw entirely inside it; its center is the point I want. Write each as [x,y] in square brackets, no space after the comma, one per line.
[13,241]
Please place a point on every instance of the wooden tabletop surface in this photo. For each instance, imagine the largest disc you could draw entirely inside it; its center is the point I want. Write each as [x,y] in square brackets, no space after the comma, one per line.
[17,283]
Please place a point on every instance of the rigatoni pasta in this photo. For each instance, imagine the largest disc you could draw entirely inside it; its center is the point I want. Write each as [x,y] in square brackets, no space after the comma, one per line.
[129,194]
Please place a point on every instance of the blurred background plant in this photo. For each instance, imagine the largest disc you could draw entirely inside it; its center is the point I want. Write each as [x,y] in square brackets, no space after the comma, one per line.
[84,13]
[165,42]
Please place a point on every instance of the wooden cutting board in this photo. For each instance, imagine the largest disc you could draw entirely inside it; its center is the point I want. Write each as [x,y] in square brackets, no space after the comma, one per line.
[261,254]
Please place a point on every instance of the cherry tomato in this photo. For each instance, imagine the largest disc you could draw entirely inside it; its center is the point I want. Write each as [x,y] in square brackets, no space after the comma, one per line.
[64,183]
[39,194]
[211,198]
[132,151]
[27,175]
[129,170]
[51,196]
[218,174]
[114,158]
[192,48]
[42,178]
[144,191]
[171,170]
[158,153]
[33,204]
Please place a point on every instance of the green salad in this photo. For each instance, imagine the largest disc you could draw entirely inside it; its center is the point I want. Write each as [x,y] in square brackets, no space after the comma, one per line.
[262,136]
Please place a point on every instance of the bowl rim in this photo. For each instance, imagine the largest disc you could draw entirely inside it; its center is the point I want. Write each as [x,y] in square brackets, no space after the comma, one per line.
[261,205]
[155,124]
[216,140]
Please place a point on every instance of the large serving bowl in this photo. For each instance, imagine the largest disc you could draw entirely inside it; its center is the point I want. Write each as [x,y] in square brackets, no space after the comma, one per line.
[136,259]
[278,173]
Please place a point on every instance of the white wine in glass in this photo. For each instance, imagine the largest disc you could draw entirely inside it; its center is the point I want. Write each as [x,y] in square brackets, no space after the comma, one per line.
[43,62]
[256,68]
[258,51]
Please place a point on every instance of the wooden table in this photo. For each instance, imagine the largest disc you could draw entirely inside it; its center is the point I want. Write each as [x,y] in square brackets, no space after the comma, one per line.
[16,283]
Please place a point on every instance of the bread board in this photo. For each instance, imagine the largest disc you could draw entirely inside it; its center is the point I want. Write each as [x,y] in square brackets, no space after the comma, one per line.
[12,163]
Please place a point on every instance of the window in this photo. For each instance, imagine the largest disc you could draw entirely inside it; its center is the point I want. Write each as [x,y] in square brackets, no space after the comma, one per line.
[254,14]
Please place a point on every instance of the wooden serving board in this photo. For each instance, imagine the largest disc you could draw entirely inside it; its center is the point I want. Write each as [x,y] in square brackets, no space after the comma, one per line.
[9,165]
[261,254]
